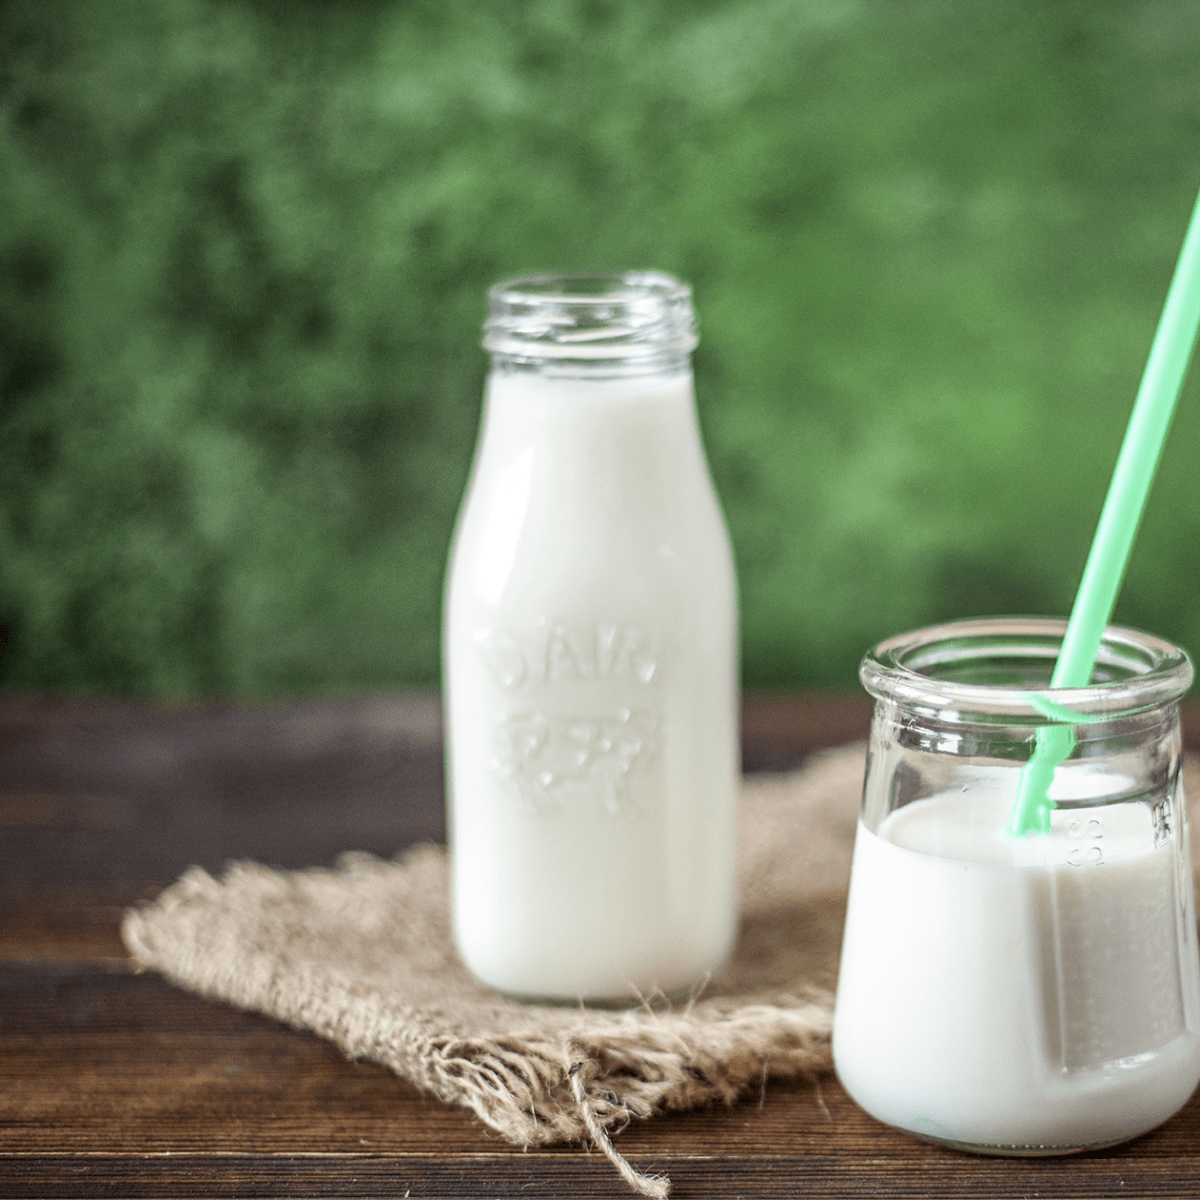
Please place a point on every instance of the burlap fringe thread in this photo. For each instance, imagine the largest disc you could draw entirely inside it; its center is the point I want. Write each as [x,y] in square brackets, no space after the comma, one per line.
[361,955]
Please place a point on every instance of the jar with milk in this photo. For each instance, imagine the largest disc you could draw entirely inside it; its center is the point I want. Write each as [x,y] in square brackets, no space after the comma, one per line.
[590,654]
[1020,994]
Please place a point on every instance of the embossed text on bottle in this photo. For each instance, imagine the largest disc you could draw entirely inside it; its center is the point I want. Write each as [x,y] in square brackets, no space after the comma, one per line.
[591,753]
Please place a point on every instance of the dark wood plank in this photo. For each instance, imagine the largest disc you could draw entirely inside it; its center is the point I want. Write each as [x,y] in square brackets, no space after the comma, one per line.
[553,1175]
[564,1175]
[111,794]
[71,923]
[779,730]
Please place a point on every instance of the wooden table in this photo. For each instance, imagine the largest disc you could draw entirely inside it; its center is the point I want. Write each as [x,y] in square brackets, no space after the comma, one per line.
[116,1084]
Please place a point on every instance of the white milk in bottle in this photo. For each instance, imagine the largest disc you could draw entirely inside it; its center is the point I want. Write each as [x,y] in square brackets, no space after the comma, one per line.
[590,655]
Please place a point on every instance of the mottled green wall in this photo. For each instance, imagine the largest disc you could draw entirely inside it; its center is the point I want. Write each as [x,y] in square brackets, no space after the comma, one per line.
[244,246]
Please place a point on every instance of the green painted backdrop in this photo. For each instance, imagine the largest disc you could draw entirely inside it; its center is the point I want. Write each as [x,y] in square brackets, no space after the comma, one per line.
[244,246]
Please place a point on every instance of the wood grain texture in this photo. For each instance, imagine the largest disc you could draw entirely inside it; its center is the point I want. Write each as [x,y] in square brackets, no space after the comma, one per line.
[113,1083]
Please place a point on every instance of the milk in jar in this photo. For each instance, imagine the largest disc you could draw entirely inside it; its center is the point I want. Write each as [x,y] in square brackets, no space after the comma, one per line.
[1036,993]
[590,655]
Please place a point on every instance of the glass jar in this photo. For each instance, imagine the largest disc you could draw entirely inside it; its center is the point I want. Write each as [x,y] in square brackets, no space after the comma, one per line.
[1009,994]
[590,649]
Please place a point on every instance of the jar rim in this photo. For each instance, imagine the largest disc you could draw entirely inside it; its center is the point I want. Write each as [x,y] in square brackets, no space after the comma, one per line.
[1137,670]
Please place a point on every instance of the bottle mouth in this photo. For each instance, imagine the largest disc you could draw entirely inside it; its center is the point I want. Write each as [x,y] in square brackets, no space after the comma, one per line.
[1001,667]
[626,321]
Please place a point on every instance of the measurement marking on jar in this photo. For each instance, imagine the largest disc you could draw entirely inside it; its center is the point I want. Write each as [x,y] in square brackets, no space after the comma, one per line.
[1085,829]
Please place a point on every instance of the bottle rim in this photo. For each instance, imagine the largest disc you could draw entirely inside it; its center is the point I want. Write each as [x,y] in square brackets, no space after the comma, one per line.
[591,318]
[929,669]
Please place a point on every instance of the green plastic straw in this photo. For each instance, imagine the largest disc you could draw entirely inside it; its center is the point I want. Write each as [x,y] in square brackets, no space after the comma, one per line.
[1119,519]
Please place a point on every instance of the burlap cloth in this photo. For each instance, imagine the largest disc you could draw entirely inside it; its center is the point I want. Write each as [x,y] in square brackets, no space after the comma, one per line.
[362,955]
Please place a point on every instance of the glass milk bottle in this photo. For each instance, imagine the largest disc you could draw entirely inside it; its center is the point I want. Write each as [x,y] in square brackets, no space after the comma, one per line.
[591,654]
[1020,994]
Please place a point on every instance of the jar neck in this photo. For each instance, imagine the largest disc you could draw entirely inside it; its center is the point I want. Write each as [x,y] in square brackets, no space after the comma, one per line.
[591,326]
